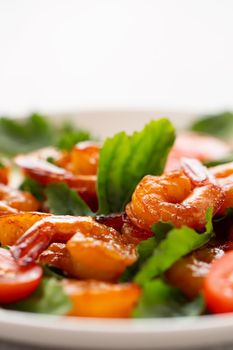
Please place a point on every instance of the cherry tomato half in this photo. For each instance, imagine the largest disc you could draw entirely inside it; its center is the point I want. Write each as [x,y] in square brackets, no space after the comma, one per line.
[16,283]
[218,285]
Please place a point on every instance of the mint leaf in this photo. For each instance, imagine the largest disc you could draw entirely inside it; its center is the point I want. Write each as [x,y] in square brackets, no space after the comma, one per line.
[49,298]
[161,300]
[124,160]
[220,125]
[62,200]
[34,187]
[179,242]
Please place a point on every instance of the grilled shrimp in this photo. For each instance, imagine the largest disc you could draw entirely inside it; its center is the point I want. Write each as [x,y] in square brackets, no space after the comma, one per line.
[45,173]
[176,198]
[12,200]
[4,171]
[189,272]
[224,176]
[97,251]
[100,299]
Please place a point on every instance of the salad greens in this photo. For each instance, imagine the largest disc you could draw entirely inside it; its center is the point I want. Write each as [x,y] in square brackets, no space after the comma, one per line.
[161,300]
[19,136]
[219,125]
[124,160]
[62,200]
[49,298]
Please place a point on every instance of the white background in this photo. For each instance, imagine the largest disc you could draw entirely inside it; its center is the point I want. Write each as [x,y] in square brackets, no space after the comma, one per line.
[67,55]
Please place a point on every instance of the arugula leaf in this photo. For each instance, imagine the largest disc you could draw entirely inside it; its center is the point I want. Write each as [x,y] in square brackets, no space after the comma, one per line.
[161,300]
[220,125]
[179,242]
[34,187]
[49,298]
[124,160]
[19,136]
[62,200]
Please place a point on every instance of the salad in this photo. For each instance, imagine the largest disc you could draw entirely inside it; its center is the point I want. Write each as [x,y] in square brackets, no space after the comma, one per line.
[132,226]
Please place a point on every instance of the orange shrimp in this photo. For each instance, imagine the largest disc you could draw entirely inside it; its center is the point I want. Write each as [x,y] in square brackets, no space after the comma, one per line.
[100,299]
[224,176]
[4,171]
[84,158]
[98,251]
[189,272]
[14,224]
[173,198]
[14,199]
[46,173]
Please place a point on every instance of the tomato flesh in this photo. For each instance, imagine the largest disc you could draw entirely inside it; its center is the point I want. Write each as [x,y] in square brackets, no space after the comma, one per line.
[16,283]
[218,285]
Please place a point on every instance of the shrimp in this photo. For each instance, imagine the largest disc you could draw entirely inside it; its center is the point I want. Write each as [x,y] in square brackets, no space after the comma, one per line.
[189,272]
[14,224]
[173,198]
[224,176]
[100,299]
[46,173]
[97,251]
[4,171]
[84,158]
[21,201]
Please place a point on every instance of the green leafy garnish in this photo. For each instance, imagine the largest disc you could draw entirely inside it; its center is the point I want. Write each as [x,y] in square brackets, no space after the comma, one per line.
[161,300]
[124,160]
[49,298]
[220,125]
[34,187]
[20,136]
[179,242]
[227,159]
[70,137]
[62,200]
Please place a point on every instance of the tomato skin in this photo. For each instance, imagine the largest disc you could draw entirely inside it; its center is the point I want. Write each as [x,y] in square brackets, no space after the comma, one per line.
[218,285]
[16,283]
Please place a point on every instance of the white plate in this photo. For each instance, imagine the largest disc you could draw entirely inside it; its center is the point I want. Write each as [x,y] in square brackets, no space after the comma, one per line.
[117,334]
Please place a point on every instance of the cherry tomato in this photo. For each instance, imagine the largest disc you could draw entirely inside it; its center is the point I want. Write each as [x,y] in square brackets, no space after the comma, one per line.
[218,285]
[16,283]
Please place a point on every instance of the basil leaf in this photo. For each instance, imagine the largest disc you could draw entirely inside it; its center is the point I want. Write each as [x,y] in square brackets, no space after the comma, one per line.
[124,160]
[161,300]
[179,242]
[220,125]
[49,298]
[62,200]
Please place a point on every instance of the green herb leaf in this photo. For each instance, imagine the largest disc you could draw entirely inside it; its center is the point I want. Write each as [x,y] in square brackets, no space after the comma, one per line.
[161,300]
[124,160]
[34,187]
[62,200]
[179,242]
[220,161]
[220,125]
[49,298]
[19,136]
[69,137]
[146,248]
